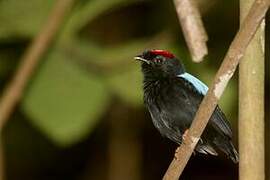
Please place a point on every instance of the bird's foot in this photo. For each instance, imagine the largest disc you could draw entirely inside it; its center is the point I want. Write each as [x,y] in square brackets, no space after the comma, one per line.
[184,136]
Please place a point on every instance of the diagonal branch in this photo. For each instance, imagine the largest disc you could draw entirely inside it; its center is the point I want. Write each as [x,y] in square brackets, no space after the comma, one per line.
[30,59]
[224,74]
[193,29]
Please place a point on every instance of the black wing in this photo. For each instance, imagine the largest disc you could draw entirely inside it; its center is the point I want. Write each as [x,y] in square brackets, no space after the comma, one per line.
[218,119]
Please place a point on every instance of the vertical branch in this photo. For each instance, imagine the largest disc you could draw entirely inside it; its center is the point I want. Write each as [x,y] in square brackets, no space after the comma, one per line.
[251,104]
[267,96]
[193,29]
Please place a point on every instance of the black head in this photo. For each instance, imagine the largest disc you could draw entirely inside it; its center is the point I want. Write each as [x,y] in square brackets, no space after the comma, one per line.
[160,64]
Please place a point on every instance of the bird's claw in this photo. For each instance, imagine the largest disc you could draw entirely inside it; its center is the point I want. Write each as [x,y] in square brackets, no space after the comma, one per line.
[184,136]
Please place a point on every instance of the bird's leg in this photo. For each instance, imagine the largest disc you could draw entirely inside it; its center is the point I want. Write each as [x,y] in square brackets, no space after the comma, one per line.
[184,136]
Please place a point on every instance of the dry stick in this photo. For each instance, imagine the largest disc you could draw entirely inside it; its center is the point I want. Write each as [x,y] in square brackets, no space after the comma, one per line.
[193,29]
[225,72]
[29,61]
[251,105]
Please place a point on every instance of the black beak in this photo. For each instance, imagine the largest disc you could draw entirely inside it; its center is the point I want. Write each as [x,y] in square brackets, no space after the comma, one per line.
[140,58]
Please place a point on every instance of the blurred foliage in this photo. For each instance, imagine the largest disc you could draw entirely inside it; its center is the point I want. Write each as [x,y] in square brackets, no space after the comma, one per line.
[63,101]
[92,59]
[23,19]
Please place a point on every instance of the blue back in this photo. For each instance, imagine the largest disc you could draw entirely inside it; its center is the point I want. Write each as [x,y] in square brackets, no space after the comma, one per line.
[199,85]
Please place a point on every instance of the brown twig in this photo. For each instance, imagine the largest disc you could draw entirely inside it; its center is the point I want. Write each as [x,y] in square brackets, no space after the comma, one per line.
[224,74]
[193,29]
[30,59]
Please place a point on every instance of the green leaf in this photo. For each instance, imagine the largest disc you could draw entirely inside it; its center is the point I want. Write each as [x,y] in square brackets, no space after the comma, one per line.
[23,18]
[64,101]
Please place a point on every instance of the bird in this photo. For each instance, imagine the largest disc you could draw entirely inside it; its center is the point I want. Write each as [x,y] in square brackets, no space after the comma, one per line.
[172,97]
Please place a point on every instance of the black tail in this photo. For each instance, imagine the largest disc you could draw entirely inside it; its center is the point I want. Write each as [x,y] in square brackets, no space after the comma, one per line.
[229,149]
[233,154]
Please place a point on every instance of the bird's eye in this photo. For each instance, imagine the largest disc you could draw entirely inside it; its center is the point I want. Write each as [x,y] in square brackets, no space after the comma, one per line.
[159,59]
